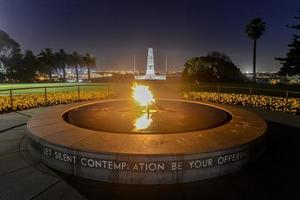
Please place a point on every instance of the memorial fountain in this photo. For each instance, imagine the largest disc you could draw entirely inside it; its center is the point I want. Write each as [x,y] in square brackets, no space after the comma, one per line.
[144,140]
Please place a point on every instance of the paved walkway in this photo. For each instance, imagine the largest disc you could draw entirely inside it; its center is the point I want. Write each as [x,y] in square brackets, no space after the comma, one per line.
[278,117]
[22,177]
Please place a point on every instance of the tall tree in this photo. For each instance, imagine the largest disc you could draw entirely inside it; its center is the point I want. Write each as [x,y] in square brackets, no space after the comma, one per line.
[47,60]
[216,67]
[291,63]
[62,60]
[26,70]
[90,61]
[77,62]
[219,55]
[8,47]
[7,44]
[255,29]
[12,64]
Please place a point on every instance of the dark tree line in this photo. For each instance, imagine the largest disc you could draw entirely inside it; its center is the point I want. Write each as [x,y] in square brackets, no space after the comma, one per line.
[214,67]
[291,63]
[16,66]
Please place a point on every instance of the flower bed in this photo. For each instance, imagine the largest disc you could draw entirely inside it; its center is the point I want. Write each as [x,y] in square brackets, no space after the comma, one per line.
[289,105]
[26,101]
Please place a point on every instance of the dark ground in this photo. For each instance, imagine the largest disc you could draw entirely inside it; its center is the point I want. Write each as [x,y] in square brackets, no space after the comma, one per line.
[274,175]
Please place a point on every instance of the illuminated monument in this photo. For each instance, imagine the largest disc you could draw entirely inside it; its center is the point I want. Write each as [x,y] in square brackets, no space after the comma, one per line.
[150,72]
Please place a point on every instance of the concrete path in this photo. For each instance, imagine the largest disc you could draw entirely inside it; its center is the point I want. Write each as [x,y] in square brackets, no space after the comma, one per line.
[278,117]
[22,177]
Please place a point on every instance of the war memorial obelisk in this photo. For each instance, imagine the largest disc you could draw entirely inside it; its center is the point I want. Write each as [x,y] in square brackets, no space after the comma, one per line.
[150,71]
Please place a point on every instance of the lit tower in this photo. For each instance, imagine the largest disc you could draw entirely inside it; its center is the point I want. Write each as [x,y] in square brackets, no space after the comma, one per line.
[150,63]
[150,71]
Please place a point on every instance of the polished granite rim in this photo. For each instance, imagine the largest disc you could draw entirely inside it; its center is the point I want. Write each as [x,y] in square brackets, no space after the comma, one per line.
[146,158]
[244,127]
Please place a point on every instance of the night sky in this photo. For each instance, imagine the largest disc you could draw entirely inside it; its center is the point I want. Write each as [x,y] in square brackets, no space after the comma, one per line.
[115,30]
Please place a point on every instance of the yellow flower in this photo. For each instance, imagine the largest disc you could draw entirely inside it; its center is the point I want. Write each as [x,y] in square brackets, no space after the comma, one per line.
[281,104]
[26,101]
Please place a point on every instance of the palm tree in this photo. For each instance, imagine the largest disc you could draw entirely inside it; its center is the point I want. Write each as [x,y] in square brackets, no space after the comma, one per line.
[254,29]
[76,62]
[90,61]
[47,59]
[62,61]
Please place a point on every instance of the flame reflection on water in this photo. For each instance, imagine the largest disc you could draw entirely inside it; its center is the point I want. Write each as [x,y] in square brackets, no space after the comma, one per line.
[143,122]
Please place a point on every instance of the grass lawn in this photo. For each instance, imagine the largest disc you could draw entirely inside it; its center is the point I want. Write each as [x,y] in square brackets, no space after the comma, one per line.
[241,88]
[283,87]
[57,87]
[246,88]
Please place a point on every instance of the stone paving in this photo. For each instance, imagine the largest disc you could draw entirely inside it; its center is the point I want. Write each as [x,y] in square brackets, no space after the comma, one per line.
[22,177]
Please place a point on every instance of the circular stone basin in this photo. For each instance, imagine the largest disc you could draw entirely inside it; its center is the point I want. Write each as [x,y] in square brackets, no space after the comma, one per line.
[166,117]
[114,141]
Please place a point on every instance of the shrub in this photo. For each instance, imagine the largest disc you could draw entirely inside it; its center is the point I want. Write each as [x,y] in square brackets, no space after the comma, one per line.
[26,101]
[288,105]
